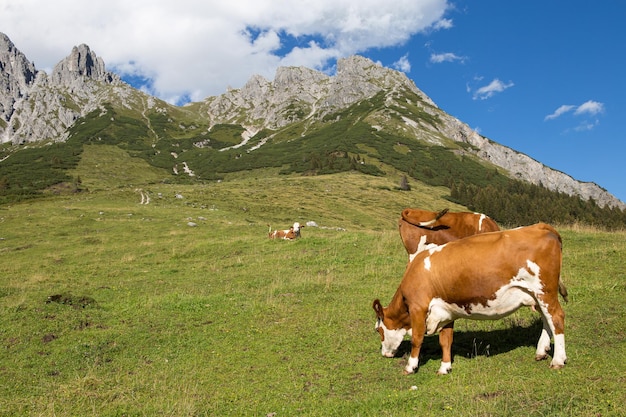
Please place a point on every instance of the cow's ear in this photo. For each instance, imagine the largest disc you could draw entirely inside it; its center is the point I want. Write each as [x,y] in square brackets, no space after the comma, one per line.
[378,308]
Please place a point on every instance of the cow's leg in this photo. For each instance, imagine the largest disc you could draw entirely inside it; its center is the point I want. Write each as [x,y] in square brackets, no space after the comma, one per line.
[543,346]
[418,326]
[445,341]
[560,358]
[558,319]
[554,324]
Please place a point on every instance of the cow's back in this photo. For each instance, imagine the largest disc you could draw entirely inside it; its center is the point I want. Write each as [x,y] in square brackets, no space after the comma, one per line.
[478,265]
[446,227]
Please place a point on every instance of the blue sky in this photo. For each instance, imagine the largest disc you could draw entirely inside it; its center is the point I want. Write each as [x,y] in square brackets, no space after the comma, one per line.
[542,77]
[557,73]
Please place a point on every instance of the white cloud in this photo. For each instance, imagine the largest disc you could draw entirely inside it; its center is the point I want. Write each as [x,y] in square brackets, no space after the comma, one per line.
[198,48]
[561,110]
[403,64]
[495,86]
[443,24]
[445,57]
[589,107]
[586,125]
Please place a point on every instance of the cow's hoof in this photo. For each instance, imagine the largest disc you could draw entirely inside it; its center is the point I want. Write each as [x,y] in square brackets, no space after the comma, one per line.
[540,357]
[556,366]
[445,368]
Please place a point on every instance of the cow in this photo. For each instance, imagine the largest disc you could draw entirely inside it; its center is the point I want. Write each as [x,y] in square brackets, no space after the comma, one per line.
[290,234]
[482,277]
[421,229]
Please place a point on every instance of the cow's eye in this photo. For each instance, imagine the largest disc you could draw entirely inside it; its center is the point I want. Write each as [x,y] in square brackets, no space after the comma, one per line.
[382,333]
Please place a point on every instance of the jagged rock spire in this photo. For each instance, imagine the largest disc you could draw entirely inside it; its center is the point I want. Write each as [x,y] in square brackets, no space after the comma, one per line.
[16,75]
[81,63]
[31,108]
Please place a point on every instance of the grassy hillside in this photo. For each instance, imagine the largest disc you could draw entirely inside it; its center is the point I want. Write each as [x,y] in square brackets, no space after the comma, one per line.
[110,307]
[173,139]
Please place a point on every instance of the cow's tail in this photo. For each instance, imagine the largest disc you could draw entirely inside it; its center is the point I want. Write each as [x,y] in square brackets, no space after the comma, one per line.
[563,290]
[562,287]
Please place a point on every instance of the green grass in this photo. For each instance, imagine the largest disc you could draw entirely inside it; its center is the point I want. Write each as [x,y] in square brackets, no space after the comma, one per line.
[112,308]
[105,167]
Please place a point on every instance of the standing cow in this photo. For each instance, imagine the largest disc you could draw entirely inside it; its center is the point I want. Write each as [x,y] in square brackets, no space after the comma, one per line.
[482,277]
[421,229]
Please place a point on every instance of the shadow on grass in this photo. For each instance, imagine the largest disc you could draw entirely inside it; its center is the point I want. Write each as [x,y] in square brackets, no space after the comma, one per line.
[470,344]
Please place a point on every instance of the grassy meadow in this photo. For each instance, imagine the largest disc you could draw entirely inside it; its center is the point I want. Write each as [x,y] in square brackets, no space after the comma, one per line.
[183,307]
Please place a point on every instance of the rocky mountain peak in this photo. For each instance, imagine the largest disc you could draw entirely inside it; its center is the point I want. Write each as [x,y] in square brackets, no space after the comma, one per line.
[357,66]
[81,63]
[35,107]
[14,63]
[298,93]
[17,74]
[31,108]
[297,77]
[373,77]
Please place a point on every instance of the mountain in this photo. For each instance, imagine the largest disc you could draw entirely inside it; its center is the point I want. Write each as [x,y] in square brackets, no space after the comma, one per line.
[365,117]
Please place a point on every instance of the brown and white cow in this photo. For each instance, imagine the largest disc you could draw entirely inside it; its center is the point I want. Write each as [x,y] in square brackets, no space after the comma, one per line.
[421,229]
[482,277]
[290,234]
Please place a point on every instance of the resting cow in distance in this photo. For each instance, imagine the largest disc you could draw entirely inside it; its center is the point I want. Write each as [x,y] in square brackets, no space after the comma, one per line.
[290,234]
[421,229]
[482,277]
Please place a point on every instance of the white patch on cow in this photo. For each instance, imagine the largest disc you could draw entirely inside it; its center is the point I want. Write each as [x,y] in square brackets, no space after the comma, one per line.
[435,248]
[480,221]
[432,249]
[534,268]
[412,364]
[427,263]
[543,346]
[529,278]
[510,297]
[439,314]
[559,358]
[444,368]
[391,339]
[421,247]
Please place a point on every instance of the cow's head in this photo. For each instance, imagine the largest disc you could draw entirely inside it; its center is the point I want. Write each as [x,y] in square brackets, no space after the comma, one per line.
[296,228]
[390,339]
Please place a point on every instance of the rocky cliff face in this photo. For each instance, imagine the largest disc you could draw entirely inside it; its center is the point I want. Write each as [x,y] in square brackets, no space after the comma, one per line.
[35,106]
[525,168]
[79,65]
[17,75]
[299,94]
[40,107]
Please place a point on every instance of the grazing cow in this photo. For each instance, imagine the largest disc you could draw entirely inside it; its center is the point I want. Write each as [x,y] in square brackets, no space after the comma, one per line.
[482,277]
[420,229]
[290,234]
